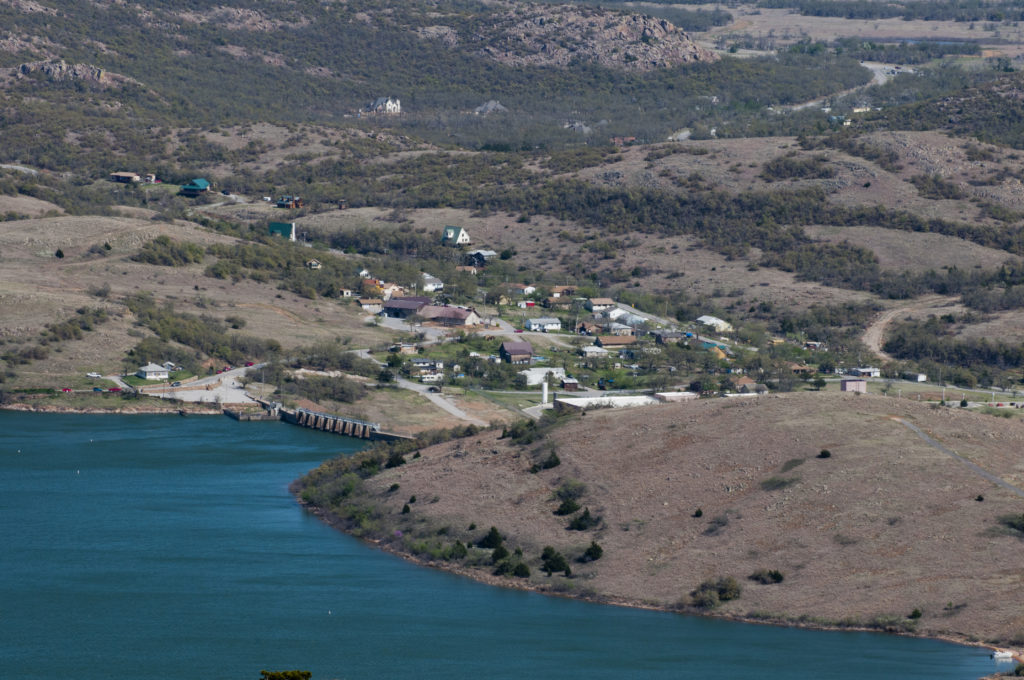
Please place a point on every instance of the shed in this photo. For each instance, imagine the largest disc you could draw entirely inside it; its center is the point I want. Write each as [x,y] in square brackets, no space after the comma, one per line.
[125,177]
[570,384]
[516,351]
[600,304]
[543,323]
[853,385]
[720,325]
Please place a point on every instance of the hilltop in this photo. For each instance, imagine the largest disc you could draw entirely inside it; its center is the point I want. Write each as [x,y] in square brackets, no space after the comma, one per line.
[885,525]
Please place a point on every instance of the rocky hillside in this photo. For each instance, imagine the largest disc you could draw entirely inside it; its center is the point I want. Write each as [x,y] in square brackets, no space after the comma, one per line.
[548,35]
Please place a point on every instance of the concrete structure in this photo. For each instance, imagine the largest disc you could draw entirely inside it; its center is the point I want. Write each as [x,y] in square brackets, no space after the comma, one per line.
[536,376]
[853,385]
[543,323]
[719,325]
[153,372]
[667,397]
[583,403]
[593,352]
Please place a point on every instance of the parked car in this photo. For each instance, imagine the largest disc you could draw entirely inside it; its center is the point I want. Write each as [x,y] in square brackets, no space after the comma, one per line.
[93,375]
[97,389]
[176,383]
[67,389]
[249,363]
[114,389]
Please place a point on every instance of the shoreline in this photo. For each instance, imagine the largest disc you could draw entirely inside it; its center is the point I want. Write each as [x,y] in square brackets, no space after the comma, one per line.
[121,410]
[343,525]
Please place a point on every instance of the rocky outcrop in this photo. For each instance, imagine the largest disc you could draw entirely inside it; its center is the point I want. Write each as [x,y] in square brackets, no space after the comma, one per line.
[542,35]
[58,70]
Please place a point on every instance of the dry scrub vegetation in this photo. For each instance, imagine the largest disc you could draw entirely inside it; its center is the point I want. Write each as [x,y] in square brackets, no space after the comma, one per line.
[884,525]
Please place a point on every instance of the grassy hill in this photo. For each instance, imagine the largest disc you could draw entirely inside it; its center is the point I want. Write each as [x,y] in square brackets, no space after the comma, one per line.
[885,525]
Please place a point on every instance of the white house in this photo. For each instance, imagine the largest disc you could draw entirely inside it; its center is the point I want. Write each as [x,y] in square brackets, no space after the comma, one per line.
[600,304]
[916,377]
[153,372]
[866,372]
[535,376]
[431,284]
[455,236]
[543,323]
[593,352]
[719,325]
[385,105]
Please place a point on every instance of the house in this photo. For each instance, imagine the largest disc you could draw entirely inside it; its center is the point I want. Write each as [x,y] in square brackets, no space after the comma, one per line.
[600,304]
[285,229]
[589,328]
[371,305]
[865,372]
[480,257]
[431,284]
[558,302]
[125,177]
[719,325]
[387,105]
[525,304]
[516,351]
[404,348]
[536,376]
[466,268]
[522,288]
[744,381]
[404,307]
[390,290]
[345,292]
[853,385]
[593,352]
[615,328]
[455,236]
[915,377]
[754,388]
[665,337]
[570,384]
[153,372]
[801,369]
[543,323]
[614,341]
[559,291]
[289,202]
[814,346]
[450,316]
[195,187]
[313,264]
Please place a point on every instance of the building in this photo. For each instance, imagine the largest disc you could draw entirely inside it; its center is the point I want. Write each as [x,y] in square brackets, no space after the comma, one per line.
[522,288]
[388,105]
[195,187]
[153,372]
[289,202]
[616,328]
[593,352]
[466,268]
[516,351]
[285,229]
[915,377]
[480,257]
[600,304]
[313,264]
[431,284]
[536,376]
[559,291]
[558,302]
[719,325]
[866,372]
[853,385]
[450,316]
[455,236]
[404,307]
[543,323]
[125,177]
[570,384]
[371,305]
[614,341]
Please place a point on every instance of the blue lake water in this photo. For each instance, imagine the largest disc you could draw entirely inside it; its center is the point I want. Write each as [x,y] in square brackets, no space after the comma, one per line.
[165,547]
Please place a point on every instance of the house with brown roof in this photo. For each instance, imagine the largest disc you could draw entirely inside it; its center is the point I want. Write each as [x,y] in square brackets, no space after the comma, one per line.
[404,307]
[516,351]
[450,316]
[600,304]
[559,291]
[558,302]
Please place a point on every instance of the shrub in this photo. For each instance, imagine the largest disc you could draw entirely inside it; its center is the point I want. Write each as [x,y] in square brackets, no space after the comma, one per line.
[710,593]
[767,576]
[716,525]
[567,507]
[521,570]
[492,540]
[571,490]
[458,551]
[698,513]
[548,463]
[394,487]
[553,561]
[916,614]
[594,552]
[405,509]
[825,453]
[584,521]
[500,553]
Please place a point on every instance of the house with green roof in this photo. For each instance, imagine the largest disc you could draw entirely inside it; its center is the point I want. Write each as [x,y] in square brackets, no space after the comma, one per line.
[455,236]
[195,187]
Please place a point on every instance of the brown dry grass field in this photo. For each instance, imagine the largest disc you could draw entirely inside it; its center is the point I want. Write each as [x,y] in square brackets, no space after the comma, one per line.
[886,525]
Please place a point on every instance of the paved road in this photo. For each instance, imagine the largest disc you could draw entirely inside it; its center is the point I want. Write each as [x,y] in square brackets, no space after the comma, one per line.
[230,391]
[977,469]
[440,401]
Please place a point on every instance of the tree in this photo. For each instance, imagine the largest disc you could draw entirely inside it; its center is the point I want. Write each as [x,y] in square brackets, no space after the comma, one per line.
[492,540]
[59,254]
[594,552]
[818,383]
[552,561]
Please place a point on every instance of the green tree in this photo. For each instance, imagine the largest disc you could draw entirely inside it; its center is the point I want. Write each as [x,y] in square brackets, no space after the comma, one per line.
[492,540]
[553,561]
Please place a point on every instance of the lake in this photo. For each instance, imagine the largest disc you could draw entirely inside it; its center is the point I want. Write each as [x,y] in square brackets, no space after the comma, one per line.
[166,547]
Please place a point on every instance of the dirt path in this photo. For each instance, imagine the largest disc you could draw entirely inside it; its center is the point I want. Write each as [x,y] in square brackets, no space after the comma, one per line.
[977,469]
[874,334]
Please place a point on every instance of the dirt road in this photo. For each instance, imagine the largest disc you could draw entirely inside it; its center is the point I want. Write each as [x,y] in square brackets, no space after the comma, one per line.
[874,334]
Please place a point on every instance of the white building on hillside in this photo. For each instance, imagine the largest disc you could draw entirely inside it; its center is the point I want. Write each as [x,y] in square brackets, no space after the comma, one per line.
[153,372]
[719,325]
